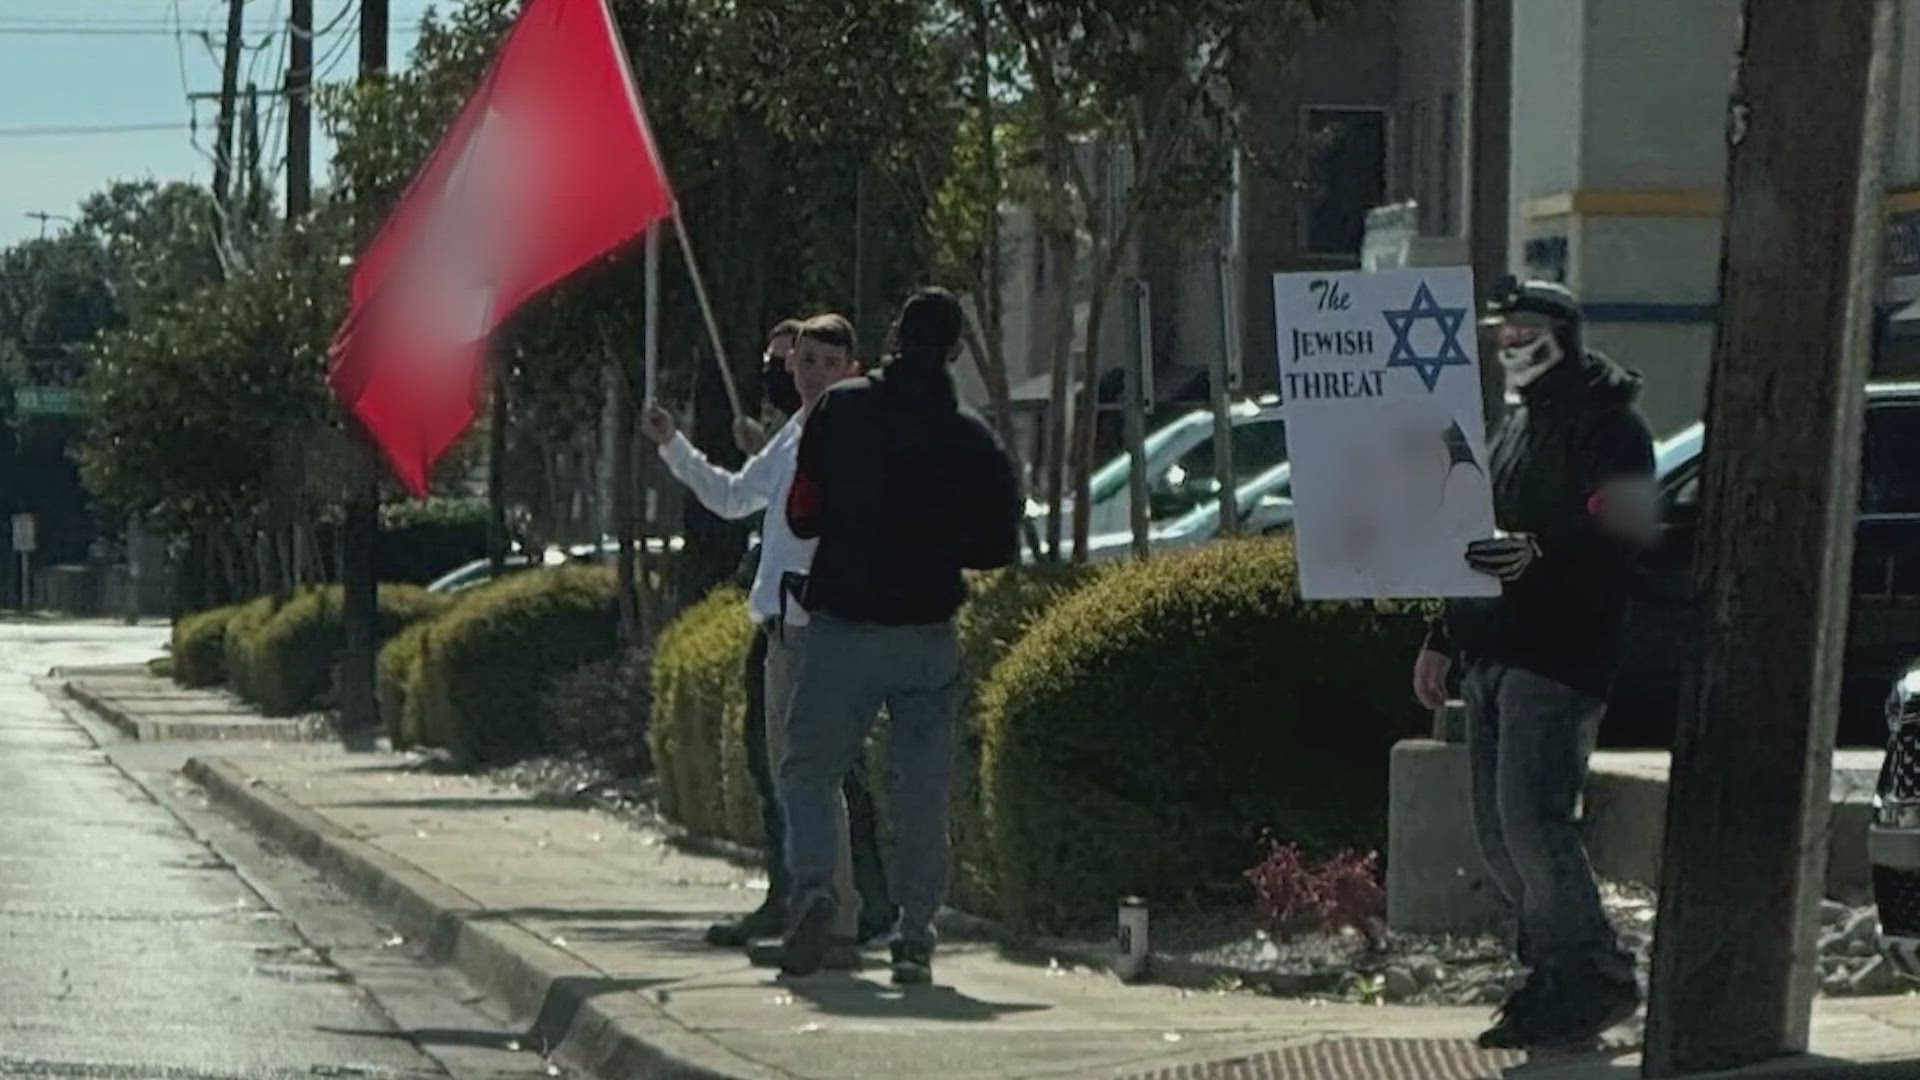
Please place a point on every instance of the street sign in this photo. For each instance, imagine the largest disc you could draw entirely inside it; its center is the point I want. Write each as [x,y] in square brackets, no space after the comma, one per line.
[24,539]
[47,400]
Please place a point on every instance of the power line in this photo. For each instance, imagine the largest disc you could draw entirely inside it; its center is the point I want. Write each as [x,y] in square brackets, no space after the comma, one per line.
[89,129]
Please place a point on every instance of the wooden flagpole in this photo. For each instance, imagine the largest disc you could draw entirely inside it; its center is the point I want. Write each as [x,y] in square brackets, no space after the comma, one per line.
[706,310]
[652,384]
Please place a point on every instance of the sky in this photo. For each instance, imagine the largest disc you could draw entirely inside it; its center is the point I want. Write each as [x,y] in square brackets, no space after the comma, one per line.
[71,68]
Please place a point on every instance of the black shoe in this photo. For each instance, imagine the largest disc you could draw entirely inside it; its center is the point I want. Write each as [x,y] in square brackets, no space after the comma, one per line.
[809,937]
[1513,1027]
[912,963]
[1582,1008]
[841,955]
[766,921]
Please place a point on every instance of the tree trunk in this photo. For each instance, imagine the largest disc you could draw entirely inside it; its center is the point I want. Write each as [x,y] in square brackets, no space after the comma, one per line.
[1086,418]
[1061,256]
[1735,960]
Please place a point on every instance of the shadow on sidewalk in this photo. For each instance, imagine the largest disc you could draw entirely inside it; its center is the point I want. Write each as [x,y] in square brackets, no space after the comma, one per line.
[845,995]
[520,804]
[483,1040]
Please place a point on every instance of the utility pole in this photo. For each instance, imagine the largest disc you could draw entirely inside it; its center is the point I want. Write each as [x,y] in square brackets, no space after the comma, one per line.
[300,111]
[223,126]
[360,711]
[1744,865]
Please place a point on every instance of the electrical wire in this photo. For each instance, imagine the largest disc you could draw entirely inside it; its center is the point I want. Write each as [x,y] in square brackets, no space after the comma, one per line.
[88,129]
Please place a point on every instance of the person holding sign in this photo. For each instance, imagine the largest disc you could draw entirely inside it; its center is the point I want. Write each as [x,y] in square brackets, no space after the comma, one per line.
[1572,478]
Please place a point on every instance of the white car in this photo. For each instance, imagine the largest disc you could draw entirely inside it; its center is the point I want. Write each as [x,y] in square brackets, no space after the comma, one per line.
[480,571]
[1180,467]
[1265,504]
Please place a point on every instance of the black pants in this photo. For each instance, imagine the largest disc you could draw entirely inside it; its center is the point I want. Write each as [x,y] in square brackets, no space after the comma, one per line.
[863,823]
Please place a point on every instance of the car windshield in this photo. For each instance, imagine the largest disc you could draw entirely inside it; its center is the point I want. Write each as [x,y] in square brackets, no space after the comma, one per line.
[1275,481]
[1107,481]
[1678,449]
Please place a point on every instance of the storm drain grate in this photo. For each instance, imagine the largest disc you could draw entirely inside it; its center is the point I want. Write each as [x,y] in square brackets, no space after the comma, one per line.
[1356,1059]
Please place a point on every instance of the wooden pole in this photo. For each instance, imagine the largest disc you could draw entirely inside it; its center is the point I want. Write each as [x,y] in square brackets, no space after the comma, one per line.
[300,111]
[1735,958]
[359,707]
[706,312]
[229,90]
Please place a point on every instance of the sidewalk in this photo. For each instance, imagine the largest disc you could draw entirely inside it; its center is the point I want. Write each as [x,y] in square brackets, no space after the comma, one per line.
[591,928]
[147,707]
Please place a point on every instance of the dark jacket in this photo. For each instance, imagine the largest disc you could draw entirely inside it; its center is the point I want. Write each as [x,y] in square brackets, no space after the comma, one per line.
[904,488]
[1575,430]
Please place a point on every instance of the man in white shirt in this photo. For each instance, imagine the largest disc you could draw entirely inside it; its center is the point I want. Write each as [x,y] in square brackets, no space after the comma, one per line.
[821,354]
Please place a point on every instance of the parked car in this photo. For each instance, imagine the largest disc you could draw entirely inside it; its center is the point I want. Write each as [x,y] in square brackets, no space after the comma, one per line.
[1265,504]
[1180,466]
[1884,634]
[1893,835]
[480,571]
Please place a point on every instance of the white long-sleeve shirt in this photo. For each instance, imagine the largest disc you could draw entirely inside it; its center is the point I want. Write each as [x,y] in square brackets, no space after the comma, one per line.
[760,484]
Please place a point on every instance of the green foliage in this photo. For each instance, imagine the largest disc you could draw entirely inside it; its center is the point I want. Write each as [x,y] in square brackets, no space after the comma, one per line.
[243,629]
[490,662]
[700,705]
[438,512]
[188,407]
[1146,730]
[200,647]
[396,684]
[293,654]
[699,709]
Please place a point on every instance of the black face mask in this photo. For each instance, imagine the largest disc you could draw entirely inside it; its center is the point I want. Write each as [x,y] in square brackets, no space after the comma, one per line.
[777,384]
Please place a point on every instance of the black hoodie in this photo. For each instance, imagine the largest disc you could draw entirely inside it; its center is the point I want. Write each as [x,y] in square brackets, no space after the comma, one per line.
[1575,431]
[904,488]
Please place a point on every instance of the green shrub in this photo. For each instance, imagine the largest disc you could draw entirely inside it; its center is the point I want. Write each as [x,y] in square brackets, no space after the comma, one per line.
[396,677]
[489,663]
[242,631]
[200,647]
[699,711]
[293,655]
[1143,733]
[699,718]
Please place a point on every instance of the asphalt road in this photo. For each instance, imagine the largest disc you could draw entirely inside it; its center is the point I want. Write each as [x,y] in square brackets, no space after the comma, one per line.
[143,934]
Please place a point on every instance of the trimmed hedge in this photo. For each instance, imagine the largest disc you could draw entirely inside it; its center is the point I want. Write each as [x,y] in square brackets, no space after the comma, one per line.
[698,726]
[293,655]
[489,663]
[1143,733]
[200,647]
[242,630]
[700,706]
[396,679]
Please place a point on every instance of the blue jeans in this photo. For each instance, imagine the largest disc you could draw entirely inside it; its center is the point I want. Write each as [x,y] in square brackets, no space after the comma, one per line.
[1529,738]
[848,671]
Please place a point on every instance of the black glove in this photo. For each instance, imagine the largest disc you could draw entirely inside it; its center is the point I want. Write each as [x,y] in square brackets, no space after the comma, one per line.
[1504,555]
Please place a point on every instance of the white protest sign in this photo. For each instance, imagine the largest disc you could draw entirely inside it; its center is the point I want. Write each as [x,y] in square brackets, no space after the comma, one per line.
[1380,380]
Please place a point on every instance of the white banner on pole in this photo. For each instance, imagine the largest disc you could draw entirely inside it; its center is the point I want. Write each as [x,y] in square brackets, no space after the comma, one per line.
[1380,380]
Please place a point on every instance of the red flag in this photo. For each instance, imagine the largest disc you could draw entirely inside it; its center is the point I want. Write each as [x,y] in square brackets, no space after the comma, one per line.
[549,166]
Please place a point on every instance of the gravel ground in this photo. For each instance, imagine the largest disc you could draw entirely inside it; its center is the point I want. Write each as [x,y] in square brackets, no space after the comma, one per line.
[1412,969]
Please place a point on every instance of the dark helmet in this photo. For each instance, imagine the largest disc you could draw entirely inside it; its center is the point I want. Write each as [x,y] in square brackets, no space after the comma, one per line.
[1549,299]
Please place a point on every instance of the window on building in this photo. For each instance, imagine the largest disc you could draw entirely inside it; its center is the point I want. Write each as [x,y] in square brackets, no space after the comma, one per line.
[1346,177]
[1890,461]
[1445,167]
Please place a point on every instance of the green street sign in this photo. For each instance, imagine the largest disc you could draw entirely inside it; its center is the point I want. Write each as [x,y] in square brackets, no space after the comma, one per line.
[47,400]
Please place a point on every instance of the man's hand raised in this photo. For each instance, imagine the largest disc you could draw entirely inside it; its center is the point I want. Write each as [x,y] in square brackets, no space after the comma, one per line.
[658,425]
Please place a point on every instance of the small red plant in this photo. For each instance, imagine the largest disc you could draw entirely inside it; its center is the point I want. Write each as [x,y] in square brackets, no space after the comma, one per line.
[1341,892]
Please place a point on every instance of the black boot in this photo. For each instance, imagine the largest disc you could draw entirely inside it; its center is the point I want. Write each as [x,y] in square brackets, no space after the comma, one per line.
[1584,1004]
[769,920]
[1515,1023]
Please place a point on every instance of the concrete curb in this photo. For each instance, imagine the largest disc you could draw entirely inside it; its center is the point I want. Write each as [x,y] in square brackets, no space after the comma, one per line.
[591,1020]
[194,730]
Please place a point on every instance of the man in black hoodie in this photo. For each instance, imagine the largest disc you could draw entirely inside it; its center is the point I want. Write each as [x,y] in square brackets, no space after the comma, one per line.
[1572,470]
[904,489]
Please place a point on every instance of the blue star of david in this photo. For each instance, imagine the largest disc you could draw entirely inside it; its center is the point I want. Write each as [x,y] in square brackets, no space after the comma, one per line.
[1451,353]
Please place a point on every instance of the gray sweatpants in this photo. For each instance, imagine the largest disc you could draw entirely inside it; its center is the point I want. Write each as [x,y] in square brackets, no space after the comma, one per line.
[1529,738]
[847,672]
